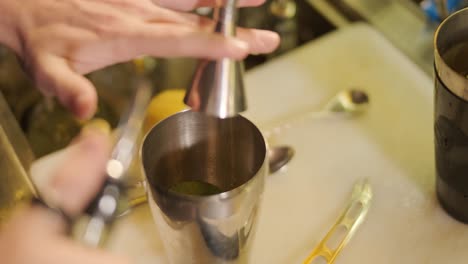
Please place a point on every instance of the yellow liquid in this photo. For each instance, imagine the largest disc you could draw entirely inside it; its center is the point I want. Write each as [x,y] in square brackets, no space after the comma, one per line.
[195,188]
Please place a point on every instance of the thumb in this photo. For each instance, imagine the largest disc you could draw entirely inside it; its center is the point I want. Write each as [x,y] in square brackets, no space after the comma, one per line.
[69,178]
[35,235]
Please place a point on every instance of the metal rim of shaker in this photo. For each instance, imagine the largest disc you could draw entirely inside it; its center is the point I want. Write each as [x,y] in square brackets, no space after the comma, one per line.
[222,195]
[452,80]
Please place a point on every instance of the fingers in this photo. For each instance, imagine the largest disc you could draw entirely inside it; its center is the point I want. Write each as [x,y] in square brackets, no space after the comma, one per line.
[131,9]
[163,33]
[168,40]
[259,41]
[26,237]
[180,41]
[78,254]
[165,40]
[35,235]
[80,176]
[32,221]
[76,173]
[186,5]
[73,90]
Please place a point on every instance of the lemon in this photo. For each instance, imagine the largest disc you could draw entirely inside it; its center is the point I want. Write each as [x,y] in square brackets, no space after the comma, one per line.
[97,124]
[163,105]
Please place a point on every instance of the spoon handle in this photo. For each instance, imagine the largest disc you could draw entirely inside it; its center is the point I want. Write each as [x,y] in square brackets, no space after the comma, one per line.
[276,128]
[348,223]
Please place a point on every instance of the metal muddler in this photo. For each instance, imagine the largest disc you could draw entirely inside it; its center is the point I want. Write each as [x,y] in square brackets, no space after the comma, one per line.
[103,209]
[218,86]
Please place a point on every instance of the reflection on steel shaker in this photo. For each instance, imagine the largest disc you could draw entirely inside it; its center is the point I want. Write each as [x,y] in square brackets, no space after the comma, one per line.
[230,154]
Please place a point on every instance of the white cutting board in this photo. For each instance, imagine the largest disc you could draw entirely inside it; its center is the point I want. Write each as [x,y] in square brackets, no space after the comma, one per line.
[391,144]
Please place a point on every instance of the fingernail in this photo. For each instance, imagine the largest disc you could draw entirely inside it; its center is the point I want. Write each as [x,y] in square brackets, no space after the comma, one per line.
[96,125]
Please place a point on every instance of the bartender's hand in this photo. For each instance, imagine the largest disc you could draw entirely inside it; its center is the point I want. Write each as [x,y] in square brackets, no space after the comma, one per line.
[37,235]
[58,41]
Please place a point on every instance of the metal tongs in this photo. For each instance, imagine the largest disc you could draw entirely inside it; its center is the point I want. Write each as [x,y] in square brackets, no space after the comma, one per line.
[104,209]
[350,219]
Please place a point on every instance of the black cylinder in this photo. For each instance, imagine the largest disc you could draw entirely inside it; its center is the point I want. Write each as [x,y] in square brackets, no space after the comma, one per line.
[451,150]
[451,114]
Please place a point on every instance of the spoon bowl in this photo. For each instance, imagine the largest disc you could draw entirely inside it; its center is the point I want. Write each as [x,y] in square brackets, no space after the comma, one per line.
[278,157]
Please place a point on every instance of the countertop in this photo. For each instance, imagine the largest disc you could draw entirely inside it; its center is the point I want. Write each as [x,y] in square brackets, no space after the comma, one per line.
[391,145]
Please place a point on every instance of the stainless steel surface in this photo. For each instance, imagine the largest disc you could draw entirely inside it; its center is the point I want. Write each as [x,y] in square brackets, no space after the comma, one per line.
[278,157]
[218,86]
[451,41]
[230,154]
[15,159]
[346,225]
[126,147]
[105,207]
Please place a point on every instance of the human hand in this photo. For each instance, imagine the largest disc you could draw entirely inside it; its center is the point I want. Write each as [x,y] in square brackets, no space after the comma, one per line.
[58,41]
[37,235]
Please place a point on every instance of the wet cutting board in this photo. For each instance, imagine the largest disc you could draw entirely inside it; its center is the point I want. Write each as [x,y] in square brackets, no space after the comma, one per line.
[391,144]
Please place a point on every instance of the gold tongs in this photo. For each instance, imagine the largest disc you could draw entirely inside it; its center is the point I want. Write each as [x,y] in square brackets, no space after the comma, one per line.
[349,220]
